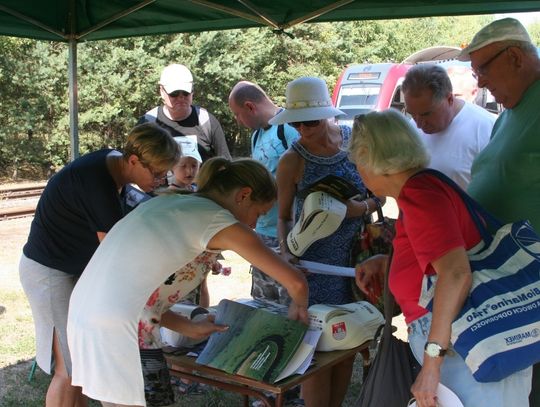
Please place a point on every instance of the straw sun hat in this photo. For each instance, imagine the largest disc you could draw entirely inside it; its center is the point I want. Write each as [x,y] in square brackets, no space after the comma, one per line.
[307,99]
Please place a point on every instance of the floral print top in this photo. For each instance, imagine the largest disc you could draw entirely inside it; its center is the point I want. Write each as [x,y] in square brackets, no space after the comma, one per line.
[174,289]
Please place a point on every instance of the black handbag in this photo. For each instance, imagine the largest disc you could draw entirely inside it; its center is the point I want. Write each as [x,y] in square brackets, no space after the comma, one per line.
[394,369]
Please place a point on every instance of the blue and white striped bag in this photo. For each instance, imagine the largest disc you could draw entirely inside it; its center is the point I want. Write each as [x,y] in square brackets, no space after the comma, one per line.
[497,331]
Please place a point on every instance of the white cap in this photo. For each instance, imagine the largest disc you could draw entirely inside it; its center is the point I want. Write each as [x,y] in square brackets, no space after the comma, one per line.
[176,77]
[320,217]
[507,29]
[189,147]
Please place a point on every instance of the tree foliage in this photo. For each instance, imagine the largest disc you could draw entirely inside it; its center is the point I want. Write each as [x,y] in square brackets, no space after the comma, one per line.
[534,32]
[117,79]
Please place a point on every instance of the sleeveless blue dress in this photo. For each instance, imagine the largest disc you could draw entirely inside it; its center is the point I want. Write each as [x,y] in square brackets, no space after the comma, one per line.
[336,248]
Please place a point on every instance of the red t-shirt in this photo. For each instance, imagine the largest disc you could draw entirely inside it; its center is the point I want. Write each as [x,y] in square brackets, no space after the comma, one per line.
[433,220]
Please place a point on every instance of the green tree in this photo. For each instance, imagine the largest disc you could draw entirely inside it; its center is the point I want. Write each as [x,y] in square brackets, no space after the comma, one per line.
[33,105]
[117,79]
[534,32]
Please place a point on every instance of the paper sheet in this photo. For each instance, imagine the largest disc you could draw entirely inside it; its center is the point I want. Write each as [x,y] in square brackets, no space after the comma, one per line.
[321,268]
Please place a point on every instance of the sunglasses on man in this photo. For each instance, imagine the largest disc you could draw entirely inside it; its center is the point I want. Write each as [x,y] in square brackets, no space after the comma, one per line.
[305,123]
[177,93]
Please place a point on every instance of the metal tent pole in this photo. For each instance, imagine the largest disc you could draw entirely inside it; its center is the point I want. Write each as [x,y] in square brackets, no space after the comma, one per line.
[73,104]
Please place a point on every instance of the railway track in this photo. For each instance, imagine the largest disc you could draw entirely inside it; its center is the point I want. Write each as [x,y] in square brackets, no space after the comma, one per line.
[19,200]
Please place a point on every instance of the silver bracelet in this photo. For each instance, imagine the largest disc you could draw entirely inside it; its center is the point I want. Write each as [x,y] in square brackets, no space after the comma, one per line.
[367,206]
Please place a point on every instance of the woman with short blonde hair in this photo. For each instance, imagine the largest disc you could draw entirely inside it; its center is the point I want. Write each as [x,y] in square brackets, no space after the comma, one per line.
[78,207]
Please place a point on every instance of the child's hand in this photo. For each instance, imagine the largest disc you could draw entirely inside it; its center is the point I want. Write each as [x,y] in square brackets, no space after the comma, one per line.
[203,327]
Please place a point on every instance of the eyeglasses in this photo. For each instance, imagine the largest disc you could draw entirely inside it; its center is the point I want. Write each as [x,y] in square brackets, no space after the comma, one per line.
[177,93]
[158,176]
[482,70]
[306,123]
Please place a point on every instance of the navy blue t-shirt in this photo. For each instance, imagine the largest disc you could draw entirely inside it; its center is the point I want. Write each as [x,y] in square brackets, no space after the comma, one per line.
[79,201]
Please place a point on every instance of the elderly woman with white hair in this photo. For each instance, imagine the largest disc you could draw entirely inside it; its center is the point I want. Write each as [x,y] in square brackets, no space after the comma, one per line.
[433,233]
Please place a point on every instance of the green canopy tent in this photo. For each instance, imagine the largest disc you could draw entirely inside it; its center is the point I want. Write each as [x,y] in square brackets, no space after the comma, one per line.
[72,21]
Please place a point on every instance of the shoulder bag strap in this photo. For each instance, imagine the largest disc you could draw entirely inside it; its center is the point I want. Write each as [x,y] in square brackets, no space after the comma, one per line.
[255,138]
[281,135]
[380,216]
[389,301]
[479,215]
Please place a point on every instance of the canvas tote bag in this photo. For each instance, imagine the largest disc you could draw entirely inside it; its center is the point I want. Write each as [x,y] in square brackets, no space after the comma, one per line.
[497,332]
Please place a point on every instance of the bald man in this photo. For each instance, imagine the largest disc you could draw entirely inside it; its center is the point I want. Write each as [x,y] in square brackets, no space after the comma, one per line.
[252,108]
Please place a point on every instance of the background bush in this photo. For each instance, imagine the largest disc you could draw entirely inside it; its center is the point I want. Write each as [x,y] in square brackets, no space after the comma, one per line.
[117,79]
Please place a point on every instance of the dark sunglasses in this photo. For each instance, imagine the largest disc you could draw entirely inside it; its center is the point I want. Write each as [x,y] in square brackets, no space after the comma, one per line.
[177,93]
[307,123]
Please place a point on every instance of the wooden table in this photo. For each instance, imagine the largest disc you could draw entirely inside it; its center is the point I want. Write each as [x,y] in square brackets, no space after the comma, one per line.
[185,367]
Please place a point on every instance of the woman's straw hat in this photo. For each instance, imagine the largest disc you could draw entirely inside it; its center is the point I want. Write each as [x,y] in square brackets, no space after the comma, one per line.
[307,99]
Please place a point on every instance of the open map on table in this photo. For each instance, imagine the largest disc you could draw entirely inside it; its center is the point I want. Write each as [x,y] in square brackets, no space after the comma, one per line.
[259,344]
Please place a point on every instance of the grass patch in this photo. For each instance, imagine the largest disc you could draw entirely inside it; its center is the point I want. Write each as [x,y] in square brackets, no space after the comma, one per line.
[19,391]
[16,328]
[17,351]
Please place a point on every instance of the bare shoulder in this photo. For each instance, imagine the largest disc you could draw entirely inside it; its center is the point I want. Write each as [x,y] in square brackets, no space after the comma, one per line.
[291,164]
[290,158]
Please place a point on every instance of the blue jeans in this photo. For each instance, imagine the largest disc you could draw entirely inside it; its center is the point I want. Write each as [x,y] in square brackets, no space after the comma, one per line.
[512,391]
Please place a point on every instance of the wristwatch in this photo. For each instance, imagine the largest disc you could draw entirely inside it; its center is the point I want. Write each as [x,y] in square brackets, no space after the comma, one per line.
[434,350]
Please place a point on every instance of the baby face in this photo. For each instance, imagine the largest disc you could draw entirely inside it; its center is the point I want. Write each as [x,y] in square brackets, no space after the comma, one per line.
[185,171]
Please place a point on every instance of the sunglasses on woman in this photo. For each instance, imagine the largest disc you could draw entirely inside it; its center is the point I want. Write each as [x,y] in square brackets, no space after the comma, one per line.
[306,123]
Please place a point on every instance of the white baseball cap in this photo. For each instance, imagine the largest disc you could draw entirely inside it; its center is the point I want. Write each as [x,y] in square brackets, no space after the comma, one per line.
[189,147]
[176,77]
[507,29]
[320,217]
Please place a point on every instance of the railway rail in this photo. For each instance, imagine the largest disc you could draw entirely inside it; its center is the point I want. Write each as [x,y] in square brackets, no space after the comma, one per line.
[19,201]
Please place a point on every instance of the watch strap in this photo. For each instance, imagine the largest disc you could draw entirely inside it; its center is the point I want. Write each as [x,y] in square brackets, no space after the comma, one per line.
[441,350]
